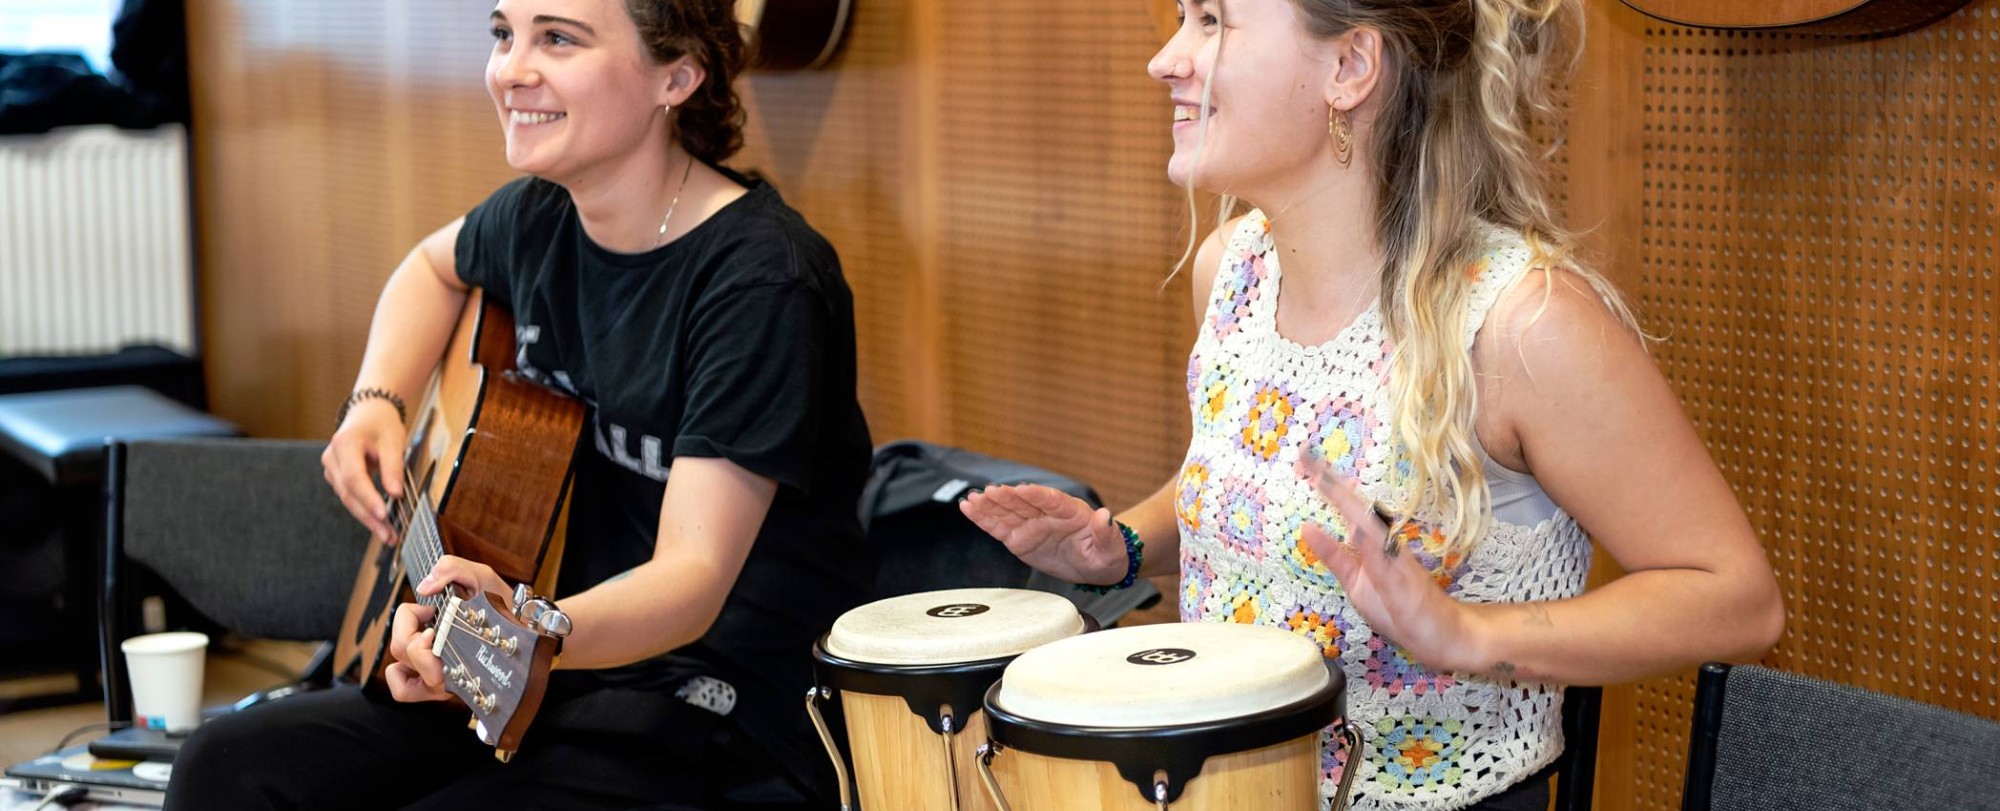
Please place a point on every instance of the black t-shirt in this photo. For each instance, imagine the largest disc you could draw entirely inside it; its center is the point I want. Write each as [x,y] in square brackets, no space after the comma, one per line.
[734,341]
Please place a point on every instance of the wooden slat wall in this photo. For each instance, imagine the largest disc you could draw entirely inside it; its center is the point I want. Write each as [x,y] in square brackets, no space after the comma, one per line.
[329,137]
[1808,223]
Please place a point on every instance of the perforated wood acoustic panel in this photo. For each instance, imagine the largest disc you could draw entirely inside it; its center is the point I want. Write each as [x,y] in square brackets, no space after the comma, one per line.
[1059,227]
[1818,251]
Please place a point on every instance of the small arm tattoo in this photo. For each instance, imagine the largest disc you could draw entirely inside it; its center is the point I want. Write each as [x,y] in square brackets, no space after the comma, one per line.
[1536,614]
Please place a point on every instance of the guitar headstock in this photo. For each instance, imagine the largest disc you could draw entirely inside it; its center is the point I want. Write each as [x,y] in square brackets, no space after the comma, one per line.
[496,664]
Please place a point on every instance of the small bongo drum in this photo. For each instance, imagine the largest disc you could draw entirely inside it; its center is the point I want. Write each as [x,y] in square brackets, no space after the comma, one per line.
[912,672]
[1207,716]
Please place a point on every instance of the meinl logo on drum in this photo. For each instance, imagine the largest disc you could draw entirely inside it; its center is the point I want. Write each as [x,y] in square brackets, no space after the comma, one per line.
[956,610]
[1161,656]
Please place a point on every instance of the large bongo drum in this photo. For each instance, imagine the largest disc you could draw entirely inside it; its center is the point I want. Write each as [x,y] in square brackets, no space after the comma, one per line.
[911,673]
[1207,716]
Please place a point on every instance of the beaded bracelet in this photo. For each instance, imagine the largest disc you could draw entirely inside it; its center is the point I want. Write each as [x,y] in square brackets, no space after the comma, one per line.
[370,394]
[1134,555]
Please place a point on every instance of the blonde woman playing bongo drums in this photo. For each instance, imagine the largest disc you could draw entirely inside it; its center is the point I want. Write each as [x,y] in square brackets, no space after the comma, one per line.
[1411,401]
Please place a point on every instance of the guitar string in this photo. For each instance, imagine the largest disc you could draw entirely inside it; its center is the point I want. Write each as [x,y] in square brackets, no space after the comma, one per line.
[424,524]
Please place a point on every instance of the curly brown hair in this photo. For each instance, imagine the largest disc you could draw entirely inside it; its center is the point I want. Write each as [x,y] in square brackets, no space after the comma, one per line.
[710,122]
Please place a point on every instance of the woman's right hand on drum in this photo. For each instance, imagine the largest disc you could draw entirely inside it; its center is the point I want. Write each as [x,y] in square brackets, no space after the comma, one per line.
[1050,530]
[368,443]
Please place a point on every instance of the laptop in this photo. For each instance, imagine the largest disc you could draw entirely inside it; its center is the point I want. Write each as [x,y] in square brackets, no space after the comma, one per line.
[126,782]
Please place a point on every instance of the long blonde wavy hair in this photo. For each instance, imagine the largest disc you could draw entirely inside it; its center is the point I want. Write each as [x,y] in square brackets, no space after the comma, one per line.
[1452,149]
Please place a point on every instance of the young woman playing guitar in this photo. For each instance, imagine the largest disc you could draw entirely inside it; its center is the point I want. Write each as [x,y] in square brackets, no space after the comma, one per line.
[712,533]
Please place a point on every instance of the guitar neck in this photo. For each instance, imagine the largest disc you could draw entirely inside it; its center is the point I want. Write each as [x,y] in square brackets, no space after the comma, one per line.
[422,546]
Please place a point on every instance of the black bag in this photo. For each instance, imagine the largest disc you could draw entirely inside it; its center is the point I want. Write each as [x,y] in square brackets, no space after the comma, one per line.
[919,541]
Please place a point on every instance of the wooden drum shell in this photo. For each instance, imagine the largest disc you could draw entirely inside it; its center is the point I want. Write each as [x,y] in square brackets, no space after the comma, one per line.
[899,762]
[1281,777]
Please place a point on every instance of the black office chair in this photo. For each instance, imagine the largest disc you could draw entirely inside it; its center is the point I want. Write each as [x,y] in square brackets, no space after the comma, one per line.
[1576,769]
[245,530]
[1769,740]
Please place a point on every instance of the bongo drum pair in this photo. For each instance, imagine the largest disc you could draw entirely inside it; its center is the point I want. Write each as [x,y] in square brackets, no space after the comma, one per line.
[1108,721]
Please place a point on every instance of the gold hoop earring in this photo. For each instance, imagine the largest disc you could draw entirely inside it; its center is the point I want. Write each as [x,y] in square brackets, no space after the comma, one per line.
[1342,132]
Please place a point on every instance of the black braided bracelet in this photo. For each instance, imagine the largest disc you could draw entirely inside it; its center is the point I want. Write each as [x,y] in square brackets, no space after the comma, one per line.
[370,394]
[1135,553]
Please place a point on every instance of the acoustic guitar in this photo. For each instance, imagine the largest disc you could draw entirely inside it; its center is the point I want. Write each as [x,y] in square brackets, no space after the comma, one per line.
[1839,17]
[793,34]
[487,473]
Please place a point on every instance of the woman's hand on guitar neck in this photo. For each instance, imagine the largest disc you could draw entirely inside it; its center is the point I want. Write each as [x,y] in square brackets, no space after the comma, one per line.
[417,674]
[369,443]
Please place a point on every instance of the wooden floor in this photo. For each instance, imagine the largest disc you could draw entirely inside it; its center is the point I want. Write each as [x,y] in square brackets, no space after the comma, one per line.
[234,670]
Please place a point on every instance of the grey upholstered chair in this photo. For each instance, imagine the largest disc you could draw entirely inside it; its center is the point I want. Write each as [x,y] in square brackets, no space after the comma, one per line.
[1769,740]
[245,530]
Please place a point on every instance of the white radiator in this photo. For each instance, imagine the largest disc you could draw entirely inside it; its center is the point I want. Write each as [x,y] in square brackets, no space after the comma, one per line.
[94,241]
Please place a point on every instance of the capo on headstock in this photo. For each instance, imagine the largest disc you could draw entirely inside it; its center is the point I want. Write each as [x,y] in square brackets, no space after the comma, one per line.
[541,615]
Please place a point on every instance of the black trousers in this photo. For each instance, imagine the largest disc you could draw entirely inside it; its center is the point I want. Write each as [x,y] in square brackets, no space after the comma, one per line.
[1531,794]
[600,749]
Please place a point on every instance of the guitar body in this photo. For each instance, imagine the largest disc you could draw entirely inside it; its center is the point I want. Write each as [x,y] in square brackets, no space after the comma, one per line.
[793,34]
[1841,17]
[494,453]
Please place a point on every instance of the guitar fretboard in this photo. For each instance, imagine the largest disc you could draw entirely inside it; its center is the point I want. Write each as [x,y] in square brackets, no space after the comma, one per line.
[421,546]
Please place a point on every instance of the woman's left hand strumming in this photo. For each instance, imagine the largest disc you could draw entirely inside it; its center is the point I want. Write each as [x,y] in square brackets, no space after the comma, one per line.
[417,674]
[1392,591]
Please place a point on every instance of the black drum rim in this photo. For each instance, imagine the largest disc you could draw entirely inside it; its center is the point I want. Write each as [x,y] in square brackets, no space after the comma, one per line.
[927,689]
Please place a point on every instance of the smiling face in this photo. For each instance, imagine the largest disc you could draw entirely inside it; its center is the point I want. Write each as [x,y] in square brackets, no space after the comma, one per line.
[1267,83]
[574,87]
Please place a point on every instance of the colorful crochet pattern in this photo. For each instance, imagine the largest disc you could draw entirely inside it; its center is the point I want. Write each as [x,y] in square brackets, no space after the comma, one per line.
[1259,402]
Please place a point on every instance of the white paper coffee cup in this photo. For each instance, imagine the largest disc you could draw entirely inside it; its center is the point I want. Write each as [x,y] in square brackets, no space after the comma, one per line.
[166,679]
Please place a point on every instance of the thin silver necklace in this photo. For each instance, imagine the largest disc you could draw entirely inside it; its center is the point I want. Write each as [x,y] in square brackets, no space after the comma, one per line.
[662,236]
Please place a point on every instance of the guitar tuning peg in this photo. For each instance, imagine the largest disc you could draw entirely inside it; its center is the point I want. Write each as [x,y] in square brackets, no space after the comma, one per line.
[503,755]
[472,723]
[479,618]
[509,645]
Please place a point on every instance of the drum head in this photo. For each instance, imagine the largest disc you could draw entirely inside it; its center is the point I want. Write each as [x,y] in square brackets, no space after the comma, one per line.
[947,627]
[1163,675]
